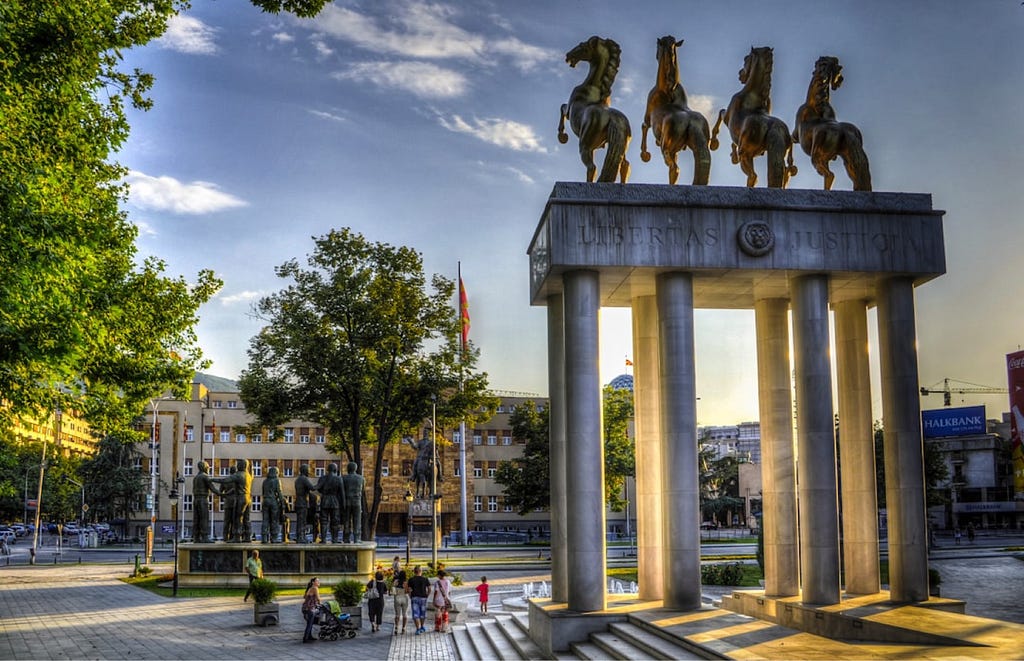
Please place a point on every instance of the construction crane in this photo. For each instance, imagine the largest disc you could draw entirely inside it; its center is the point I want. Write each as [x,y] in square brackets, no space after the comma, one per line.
[970,389]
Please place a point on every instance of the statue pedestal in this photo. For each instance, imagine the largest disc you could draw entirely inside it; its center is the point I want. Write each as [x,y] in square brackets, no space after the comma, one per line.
[222,564]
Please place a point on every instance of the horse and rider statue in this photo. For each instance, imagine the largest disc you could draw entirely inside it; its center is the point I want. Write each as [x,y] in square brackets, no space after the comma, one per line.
[423,467]
[753,130]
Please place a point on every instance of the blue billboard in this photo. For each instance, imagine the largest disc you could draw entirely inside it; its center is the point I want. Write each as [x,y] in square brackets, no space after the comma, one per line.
[962,421]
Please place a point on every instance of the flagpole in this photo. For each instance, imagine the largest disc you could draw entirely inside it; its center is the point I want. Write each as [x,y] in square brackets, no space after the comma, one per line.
[462,422]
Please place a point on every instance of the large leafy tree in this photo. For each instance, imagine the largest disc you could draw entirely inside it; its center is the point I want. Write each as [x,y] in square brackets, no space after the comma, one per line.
[115,484]
[719,485]
[526,479]
[362,344]
[19,480]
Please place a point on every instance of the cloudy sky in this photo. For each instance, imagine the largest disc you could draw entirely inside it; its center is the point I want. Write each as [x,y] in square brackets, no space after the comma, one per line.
[433,125]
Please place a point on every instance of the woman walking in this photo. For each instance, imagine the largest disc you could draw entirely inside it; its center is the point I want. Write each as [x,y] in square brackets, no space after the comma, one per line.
[310,602]
[376,590]
[400,590]
[442,601]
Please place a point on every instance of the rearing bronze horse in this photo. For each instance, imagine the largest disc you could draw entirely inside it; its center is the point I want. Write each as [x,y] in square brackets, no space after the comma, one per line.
[590,114]
[754,131]
[822,137]
[675,126]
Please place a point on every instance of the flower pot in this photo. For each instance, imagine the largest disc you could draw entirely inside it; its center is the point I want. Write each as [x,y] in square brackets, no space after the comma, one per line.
[356,613]
[265,614]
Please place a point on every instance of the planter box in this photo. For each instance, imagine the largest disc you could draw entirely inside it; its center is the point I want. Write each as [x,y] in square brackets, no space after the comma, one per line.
[265,614]
[356,613]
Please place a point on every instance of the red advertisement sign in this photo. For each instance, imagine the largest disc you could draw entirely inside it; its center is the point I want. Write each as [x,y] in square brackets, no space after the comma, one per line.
[1015,375]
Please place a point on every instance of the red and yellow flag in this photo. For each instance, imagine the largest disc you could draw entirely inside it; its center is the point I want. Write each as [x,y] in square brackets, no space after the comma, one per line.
[464,314]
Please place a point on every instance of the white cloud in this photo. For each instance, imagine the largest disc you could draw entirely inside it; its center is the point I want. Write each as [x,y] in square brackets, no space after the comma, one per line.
[423,30]
[501,132]
[169,194]
[282,38]
[425,80]
[322,49]
[704,103]
[241,297]
[187,34]
[521,176]
[326,115]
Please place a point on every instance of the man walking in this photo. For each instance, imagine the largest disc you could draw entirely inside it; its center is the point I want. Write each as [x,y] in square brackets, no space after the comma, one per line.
[419,590]
[254,568]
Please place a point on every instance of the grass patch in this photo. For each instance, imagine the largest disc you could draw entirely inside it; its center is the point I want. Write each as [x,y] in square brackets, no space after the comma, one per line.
[153,583]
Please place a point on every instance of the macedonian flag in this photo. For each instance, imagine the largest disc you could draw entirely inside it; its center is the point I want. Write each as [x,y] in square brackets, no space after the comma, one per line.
[464,314]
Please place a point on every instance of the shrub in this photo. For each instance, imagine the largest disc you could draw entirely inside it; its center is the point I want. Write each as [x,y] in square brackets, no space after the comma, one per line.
[348,592]
[934,577]
[721,574]
[263,590]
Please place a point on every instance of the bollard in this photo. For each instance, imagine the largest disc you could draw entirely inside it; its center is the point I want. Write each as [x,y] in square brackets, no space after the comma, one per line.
[79,559]
[136,572]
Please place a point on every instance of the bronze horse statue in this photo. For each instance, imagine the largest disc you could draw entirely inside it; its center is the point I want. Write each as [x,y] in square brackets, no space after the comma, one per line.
[822,137]
[590,114]
[675,126]
[753,129]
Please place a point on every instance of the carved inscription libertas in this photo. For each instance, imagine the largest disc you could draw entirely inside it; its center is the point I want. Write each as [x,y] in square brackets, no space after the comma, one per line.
[669,235]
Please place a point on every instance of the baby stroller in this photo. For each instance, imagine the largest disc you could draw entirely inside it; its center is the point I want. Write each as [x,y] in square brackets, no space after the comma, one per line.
[333,623]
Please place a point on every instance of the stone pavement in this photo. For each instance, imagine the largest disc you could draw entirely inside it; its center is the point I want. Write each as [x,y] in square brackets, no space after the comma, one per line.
[85,612]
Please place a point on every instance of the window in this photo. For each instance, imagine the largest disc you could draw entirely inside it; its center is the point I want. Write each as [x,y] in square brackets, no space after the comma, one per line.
[385,469]
[257,438]
[257,468]
[492,503]
[225,436]
[232,404]
[478,503]
[138,463]
[320,439]
[257,504]
[288,472]
[239,438]
[491,472]
[507,506]
[492,439]
[506,440]
[456,437]
[457,469]
[220,504]
[186,502]
[476,438]
[224,471]
[501,408]
[207,437]
[187,471]
[478,470]
[304,439]
[319,471]
[216,404]
[190,434]
[289,435]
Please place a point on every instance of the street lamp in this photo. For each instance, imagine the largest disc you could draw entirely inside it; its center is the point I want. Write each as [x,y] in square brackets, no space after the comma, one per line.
[435,497]
[408,524]
[25,496]
[173,497]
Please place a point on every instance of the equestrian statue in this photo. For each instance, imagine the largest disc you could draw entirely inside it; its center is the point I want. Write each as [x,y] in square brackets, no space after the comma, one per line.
[675,126]
[590,114]
[822,137]
[753,129]
[423,467]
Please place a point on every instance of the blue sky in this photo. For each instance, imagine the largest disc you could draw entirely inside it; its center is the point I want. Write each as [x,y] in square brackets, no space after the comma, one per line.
[433,125]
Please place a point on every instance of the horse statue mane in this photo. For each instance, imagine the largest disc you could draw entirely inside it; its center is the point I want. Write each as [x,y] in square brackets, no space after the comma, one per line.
[590,114]
[822,137]
[674,125]
[753,129]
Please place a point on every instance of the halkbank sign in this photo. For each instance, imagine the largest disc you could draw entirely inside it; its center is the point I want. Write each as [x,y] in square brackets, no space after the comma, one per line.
[962,421]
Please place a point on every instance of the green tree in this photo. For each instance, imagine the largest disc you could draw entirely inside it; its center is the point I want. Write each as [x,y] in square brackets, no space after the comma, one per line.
[719,484]
[526,479]
[113,482]
[360,343]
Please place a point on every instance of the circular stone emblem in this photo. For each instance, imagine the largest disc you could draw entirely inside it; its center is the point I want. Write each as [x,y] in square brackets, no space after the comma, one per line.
[755,238]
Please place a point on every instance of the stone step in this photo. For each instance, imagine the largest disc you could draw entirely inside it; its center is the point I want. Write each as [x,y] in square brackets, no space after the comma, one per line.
[481,644]
[463,645]
[615,646]
[501,643]
[588,651]
[653,644]
[516,629]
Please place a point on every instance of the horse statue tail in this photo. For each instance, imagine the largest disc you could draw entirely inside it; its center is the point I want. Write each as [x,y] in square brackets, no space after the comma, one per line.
[615,163]
[780,155]
[856,161]
[714,131]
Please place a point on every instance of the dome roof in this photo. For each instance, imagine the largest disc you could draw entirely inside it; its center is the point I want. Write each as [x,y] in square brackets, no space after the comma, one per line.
[622,382]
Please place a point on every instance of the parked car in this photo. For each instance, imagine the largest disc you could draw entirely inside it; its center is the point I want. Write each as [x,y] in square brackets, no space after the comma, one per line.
[9,536]
[709,525]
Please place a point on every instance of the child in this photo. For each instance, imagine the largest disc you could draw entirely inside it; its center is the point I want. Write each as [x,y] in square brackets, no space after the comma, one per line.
[482,589]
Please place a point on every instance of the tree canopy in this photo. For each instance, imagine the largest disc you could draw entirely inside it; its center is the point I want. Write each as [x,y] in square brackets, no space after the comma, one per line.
[360,343]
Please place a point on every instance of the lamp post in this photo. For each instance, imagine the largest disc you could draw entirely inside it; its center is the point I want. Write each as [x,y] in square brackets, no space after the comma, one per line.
[42,474]
[173,496]
[435,497]
[408,524]
[25,496]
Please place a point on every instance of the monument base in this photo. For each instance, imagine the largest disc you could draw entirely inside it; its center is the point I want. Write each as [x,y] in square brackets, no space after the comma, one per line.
[222,564]
[553,627]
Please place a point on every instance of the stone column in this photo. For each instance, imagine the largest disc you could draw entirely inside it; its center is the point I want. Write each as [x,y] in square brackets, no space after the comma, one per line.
[904,451]
[778,465]
[681,501]
[647,398]
[585,538]
[856,449]
[556,426]
[818,504]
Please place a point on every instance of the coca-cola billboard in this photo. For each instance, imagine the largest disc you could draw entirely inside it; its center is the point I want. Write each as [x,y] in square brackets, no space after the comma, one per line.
[1015,376]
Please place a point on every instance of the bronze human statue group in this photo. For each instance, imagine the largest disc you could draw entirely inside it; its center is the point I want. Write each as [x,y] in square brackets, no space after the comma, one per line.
[337,499]
[754,131]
